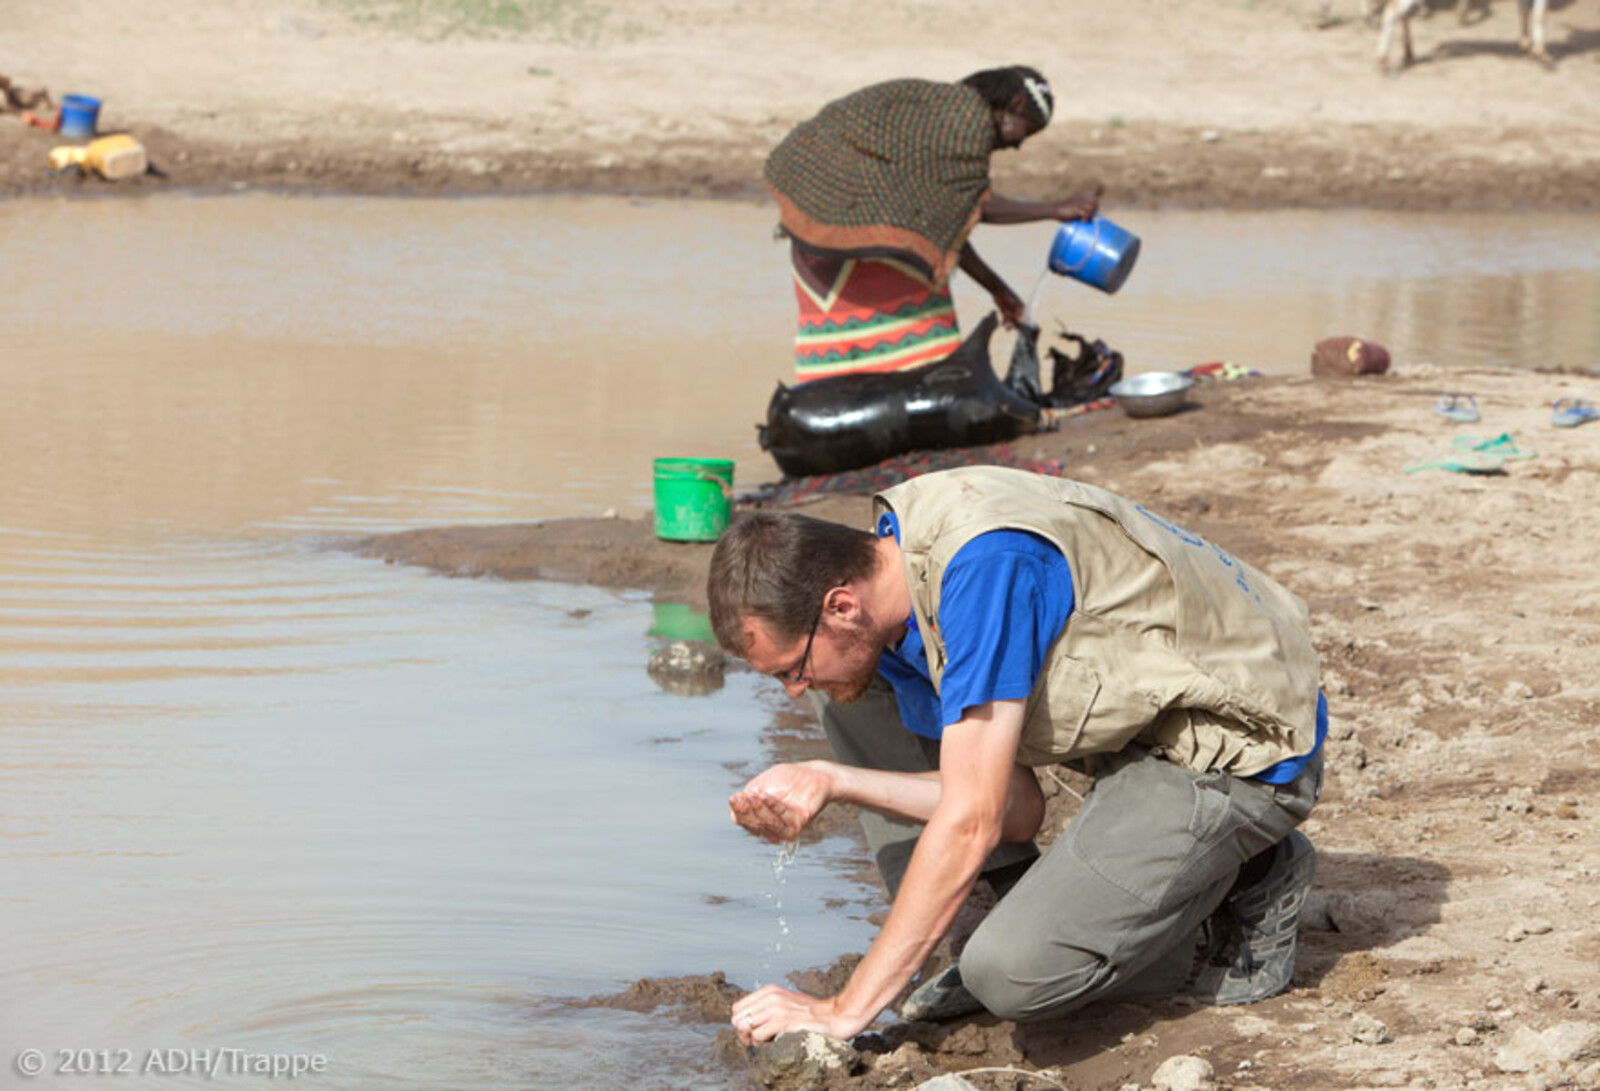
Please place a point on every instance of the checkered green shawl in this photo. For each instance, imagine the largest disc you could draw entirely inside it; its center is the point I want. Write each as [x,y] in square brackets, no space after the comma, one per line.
[897,168]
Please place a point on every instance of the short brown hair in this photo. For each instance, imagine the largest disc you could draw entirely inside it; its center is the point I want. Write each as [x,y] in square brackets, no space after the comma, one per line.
[776,568]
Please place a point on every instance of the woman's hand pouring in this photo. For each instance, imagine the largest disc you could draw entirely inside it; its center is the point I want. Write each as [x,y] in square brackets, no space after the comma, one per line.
[1078,208]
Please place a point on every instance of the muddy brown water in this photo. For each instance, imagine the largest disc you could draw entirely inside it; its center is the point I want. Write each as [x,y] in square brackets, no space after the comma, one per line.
[263,796]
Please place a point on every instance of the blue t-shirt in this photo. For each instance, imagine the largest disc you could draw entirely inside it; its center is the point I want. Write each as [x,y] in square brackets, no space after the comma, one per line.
[1006,596]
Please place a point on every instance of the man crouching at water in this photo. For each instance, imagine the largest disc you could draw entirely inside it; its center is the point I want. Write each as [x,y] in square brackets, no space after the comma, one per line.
[1027,621]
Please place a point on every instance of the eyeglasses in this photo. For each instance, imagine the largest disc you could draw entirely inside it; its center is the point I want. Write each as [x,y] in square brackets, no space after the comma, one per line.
[797,673]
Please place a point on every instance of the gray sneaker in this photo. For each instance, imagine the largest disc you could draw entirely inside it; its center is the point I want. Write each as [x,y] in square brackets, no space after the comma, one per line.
[1256,930]
[940,997]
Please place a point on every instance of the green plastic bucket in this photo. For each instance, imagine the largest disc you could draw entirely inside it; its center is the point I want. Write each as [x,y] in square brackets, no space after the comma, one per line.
[693,497]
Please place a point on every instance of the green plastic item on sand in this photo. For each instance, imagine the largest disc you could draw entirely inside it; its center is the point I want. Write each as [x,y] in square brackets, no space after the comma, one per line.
[1503,446]
[1476,455]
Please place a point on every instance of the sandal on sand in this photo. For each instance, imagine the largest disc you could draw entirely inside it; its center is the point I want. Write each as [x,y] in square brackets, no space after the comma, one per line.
[1461,408]
[1571,412]
[1464,462]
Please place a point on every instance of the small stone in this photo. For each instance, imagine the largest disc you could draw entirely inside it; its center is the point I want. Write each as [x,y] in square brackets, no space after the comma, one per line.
[1494,1003]
[1210,136]
[688,668]
[1589,1077]
[1565,1043]
[1466,1036]
[1538,927]
[800,1060]
[1275,173]
[1522,1053]
[1518,801]
[1183,1073]
[947,1082]
[1368,1030]
[1535,984]
[1518,691]
[1516,934]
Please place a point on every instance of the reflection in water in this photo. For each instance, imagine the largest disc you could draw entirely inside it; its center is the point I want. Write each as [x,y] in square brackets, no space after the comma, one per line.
[260,796]
[282,800]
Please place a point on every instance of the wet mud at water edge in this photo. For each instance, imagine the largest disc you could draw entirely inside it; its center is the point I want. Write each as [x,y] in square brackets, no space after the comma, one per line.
[1140,164]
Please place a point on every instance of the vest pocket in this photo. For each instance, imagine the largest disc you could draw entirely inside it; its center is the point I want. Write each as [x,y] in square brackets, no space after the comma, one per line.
[1059,709]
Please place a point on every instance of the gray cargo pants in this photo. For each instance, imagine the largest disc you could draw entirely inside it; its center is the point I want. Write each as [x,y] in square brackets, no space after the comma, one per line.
[1112,909]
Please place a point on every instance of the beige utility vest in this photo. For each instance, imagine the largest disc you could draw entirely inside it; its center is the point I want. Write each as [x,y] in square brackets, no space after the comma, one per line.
[1171,641]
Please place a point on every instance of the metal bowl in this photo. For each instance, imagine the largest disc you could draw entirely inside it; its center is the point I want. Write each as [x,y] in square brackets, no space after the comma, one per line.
[1153,394]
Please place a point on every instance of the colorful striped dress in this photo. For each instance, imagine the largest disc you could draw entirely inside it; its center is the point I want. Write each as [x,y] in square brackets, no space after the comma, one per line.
[877,315]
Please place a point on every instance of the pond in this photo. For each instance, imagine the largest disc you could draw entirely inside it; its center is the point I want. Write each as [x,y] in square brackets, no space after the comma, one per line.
[262,795]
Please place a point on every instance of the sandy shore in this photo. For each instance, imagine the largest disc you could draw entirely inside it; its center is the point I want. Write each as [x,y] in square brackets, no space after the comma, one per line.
[1459,883]
[1164,102]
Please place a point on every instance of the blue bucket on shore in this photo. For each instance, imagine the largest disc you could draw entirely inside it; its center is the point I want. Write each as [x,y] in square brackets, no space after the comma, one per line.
[1096,251]
[79,116]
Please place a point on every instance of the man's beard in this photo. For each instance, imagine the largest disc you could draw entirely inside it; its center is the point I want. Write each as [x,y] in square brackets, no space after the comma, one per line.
[860,643]
[850,692]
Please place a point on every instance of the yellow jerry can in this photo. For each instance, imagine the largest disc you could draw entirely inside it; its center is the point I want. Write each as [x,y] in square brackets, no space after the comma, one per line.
[115,157]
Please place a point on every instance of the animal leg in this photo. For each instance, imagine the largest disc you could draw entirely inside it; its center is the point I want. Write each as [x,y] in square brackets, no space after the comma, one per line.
[1386,35]
[1396,12]
[1532,13]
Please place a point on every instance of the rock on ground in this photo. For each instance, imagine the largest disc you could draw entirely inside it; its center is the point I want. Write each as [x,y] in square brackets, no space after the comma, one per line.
[1183,1073]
